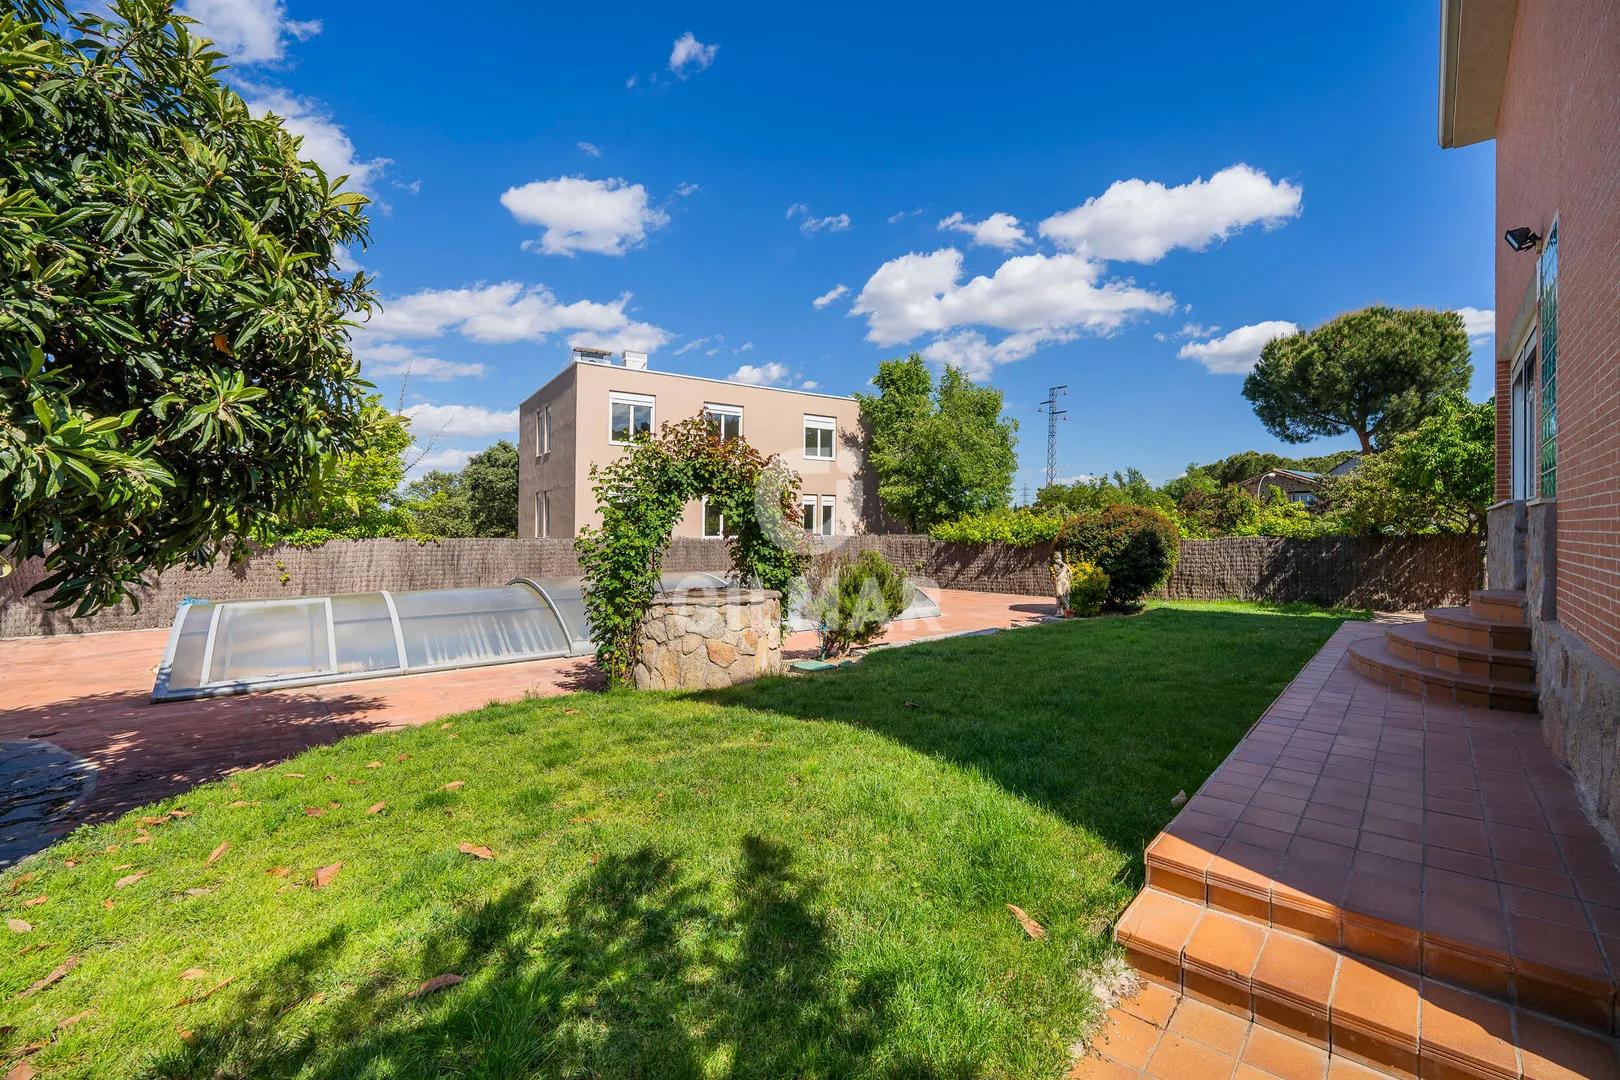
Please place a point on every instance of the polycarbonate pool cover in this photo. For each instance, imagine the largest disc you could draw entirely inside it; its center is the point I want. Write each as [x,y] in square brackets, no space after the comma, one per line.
[238,645]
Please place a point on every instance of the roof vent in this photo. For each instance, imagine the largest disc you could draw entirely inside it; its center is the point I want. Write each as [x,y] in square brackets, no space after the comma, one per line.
[635,360]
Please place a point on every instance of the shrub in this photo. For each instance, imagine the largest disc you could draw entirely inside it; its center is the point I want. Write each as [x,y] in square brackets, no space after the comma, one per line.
[858,601]
[1134,545]
[1018,528]
[1088,588]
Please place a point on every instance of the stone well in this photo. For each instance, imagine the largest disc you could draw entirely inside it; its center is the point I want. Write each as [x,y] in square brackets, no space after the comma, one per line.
[695,639]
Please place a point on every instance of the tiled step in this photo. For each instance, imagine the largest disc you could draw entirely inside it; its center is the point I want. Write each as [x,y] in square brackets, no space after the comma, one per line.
[1541,949]
[1393,1020]
[1461,625]
[1373,659]
[1415,643]
[1498,605]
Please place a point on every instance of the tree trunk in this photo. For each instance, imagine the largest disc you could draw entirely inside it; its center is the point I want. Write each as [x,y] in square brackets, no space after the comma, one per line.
[1366,443]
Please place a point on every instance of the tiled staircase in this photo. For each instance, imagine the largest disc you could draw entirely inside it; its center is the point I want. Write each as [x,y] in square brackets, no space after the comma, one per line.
[1404,886]
[1475,655]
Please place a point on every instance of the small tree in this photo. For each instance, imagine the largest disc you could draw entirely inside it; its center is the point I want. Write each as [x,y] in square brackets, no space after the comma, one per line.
[175,369]
[939,453]
[355,495]
[490,480]
[858,601]
[1376,372]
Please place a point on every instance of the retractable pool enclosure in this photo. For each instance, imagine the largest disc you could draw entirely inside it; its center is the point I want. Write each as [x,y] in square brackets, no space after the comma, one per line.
[232,646]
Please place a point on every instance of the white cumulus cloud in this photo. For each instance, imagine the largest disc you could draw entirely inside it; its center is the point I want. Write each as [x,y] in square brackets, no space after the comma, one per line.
[388,358]
[603,216]
[324,140]
[688,54]
[1142,220]
[510,311]
[999,230]
[829,296]
[767,374]
[809,224]
[248,31]
[449,460]
[1237,352]
[589,149]
[433,421]
[1478,323]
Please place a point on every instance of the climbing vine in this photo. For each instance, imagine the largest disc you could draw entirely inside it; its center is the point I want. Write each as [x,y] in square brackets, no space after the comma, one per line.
[643,493]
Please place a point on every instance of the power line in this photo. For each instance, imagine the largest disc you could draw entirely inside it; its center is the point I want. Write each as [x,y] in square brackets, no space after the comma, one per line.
[1053,415]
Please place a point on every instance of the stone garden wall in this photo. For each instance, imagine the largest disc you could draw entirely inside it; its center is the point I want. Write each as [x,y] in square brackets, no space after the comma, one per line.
[699,639]
[1407,573]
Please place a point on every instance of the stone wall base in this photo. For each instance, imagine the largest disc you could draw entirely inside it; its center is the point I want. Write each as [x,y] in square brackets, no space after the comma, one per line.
[700,639]
[1580,718]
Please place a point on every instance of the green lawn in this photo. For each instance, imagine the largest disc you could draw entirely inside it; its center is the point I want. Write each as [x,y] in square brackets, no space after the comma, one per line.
[803,877]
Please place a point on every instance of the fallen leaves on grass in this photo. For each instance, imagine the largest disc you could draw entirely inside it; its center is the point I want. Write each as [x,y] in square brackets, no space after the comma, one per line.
[179,813]
[19,881]
[373,764]
[21,1071]
[279,871]
[35,902]
[435,984]
[296,775]
[18,926]
[313,999]
[192,999]
[314,811]
[455,785]
[193,973]
[213,856]
[69,1021]
[478,851]
[56,976]
[1034,929]
[324,876]
[129,879]
[376,808]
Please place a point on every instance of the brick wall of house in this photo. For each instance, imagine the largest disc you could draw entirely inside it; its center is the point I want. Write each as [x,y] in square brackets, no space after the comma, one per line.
[1558,154]
[1388,574]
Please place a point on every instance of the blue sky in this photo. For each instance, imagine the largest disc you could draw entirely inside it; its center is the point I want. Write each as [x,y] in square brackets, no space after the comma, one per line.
[1125,199]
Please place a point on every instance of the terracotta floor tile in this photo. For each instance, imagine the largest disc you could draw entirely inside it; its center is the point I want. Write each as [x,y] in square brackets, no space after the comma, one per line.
[1554,945]
[1453,919]
[1152,1003]
[1225,946]
[1554,1052]
[1372,996]
[1283,1057]
[1208,1025]
[1091,1067]
[1181,1059]
[1126,1039]
[1460,1027]
[1298,970]
[1343,1069]
[1163,923]
[1541,905]
[1402,872]
[1466,886]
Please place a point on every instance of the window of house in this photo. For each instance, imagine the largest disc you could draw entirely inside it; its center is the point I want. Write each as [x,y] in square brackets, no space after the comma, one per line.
[1549,365]
[1525,419]
[818,437]
[545,431]
[542,514]
[631,415]
[726,420]
[818,514]
[714,522]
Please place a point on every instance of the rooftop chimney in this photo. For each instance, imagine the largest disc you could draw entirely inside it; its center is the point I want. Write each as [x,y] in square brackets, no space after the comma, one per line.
[635,359]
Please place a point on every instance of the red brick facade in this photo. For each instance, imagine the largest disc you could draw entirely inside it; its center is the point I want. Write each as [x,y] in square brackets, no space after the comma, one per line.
[1558,154]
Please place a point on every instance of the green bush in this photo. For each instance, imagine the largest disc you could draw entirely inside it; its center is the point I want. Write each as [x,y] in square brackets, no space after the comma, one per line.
[858,601]
[1018,528]
[1134,545]
[1088,588]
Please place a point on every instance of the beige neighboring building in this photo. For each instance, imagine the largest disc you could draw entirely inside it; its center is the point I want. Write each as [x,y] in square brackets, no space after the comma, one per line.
[588,411]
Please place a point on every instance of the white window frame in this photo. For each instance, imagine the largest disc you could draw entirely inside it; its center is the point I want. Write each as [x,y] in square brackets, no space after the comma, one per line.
[542,514]
[715,410]
[1524,412]
[823,511]
[543,431]
[822,423]
[635,401]
[703,523]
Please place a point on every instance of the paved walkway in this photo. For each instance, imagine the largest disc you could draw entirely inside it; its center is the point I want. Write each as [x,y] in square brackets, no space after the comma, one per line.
[88,695]
[1373,878]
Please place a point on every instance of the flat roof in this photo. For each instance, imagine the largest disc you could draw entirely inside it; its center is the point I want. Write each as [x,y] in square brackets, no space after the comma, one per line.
[707,379]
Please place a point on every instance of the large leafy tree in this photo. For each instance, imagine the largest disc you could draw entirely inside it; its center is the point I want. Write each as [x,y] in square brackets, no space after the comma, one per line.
[355,495]
[938,452]
[1375,372]
[1439,477]
[490,479]
[175,369]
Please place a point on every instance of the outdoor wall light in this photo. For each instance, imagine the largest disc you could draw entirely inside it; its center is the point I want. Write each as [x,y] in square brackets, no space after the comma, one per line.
[1524,238]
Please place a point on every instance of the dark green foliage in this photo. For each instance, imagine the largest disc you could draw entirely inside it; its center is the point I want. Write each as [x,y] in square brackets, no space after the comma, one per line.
[490,479]
[175,371]
[1136,546]
[355,496]
[1097,492]
[858,600]
[642,494]
[1437,478]
[938,453]
[1375,372]
[437,504]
